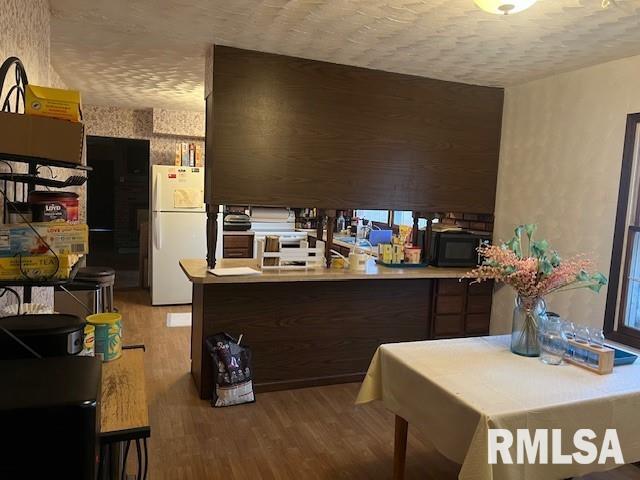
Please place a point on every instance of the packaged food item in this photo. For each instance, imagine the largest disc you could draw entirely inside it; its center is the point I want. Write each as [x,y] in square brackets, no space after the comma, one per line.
[53,102]
[51,206]
[88,344]
[412,254]
[37,267]
[387,253]
[63,238]
[108,335]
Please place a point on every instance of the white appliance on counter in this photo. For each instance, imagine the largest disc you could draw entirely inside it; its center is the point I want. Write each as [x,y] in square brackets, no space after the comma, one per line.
[178,230]
[280,222]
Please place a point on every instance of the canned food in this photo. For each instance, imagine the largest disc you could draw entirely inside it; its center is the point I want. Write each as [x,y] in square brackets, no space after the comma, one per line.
[108,335]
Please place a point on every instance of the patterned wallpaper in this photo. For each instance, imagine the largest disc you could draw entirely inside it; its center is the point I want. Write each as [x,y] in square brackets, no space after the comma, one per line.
[25,27]
[171,122]
[163,128]
[560,159]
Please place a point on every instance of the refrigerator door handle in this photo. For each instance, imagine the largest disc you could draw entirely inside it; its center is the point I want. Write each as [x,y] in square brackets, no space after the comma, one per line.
[157,234]
[156,191]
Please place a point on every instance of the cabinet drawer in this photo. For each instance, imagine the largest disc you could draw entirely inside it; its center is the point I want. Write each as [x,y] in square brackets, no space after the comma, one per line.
[479,304]
[237,241]
[481,288]
[448,326]
[478,324]
[236,253]
[451,286]
[449,304]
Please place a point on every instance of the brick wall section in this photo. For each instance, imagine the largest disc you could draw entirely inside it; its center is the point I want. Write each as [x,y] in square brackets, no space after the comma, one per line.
[473,221]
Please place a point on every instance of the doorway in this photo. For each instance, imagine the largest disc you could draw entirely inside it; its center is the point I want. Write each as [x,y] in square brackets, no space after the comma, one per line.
[117,205]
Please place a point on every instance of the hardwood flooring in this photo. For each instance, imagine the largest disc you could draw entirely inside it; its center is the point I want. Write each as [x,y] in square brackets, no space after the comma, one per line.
[314,433]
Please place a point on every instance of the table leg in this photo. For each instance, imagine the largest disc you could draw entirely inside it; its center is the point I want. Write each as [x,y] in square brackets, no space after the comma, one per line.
[400,448]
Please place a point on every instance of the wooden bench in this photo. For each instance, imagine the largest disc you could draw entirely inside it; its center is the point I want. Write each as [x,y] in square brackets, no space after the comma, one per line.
[124,414]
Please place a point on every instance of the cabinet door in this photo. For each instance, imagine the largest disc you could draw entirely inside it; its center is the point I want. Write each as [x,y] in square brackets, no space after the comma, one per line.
[477,324]
[449,304]
[448,326]
[451,286]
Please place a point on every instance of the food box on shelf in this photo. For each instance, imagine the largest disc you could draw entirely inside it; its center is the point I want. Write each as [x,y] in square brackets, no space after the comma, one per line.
[63,238]
[37,267]
[41,137]
[53,102]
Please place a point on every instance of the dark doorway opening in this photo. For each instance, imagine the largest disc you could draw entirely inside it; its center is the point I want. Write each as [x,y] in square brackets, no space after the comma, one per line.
[117,204]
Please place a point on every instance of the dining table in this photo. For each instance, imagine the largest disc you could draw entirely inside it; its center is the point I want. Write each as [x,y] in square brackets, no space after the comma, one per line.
[456,391]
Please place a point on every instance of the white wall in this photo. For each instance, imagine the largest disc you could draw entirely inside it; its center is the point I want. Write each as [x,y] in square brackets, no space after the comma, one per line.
[560,159]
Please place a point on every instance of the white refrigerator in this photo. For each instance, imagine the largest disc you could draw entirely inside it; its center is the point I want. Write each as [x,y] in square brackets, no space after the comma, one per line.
[178,230]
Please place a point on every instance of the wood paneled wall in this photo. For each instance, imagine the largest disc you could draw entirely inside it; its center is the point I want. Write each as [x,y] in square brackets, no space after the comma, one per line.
[287,131]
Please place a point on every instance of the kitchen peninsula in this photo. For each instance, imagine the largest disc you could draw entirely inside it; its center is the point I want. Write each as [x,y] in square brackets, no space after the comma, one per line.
[292,132]
[321,326]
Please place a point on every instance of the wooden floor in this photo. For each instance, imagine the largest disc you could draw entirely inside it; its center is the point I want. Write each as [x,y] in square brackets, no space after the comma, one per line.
[314,433]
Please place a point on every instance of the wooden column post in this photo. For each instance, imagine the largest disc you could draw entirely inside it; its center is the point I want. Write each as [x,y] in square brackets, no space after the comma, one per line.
[331,223]
[212,234]
[414,231]
[400,448]
[319,226]
[427,238]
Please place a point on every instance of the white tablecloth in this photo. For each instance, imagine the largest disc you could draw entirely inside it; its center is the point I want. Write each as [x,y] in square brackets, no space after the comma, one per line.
[455,390]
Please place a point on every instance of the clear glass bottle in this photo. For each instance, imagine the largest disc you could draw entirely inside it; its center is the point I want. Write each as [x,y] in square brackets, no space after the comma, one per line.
[528,314]
[340,223]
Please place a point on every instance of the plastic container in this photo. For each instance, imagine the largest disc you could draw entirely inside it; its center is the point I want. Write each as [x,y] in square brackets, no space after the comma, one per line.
[108,335]
[18,212]
[53,206]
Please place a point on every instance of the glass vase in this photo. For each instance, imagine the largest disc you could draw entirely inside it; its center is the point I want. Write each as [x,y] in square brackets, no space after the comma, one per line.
[528,315]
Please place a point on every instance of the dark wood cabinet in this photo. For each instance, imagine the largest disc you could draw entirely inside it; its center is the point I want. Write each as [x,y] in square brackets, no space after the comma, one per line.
[237,246]
[461,308]
[286,131]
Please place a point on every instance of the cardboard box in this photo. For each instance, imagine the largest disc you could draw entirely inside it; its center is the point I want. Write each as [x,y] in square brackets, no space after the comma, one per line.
[185,154]
[178,158]
[63,238]
[199,156]
[38,267]
[41,137]
[53,103]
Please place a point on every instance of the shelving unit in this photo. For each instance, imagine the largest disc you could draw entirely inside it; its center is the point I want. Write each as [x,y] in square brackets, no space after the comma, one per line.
[10,152]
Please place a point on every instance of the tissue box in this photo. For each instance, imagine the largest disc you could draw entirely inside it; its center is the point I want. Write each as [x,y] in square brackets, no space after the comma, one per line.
[53,102]
[63,238]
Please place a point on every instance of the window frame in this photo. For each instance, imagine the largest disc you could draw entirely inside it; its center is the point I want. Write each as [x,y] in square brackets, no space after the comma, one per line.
[616,297]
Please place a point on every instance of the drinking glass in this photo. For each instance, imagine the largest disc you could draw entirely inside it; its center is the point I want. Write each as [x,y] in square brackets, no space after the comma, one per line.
[597,338]
[583,336]
[569,329]
[553,342]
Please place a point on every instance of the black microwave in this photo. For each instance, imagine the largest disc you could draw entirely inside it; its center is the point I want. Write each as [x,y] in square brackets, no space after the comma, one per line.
[456,249]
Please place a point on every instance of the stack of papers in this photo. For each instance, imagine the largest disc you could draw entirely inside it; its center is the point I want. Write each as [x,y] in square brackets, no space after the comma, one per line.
[227,272]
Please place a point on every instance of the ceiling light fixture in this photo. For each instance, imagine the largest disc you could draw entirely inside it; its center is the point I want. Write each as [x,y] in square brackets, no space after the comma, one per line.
[504,7]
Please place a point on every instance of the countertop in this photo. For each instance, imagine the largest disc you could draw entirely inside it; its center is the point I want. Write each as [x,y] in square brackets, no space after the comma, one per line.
[238,232]
[196,271]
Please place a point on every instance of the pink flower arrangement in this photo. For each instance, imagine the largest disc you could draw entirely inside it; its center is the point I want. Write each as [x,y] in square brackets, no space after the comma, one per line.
[537,273]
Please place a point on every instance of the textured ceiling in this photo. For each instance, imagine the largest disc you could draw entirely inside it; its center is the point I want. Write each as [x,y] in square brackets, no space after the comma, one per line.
[150,53]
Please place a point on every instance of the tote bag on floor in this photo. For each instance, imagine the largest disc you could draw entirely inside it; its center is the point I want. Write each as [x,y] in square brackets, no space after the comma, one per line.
[232,372]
